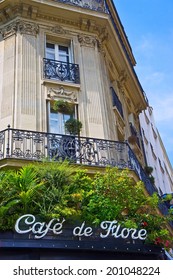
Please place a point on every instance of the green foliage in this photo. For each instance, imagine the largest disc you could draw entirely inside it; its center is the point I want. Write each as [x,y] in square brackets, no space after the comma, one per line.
[148,170]
[56,177]
[63,107]
[73,126]
[18,190]
[57,189]
[113,197]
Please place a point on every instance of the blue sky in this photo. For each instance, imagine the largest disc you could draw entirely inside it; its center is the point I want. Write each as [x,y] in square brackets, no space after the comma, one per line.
[149,27]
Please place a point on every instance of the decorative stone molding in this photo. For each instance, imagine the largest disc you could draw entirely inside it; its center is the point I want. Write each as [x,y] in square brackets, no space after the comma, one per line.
[58,29]
[101,47]
[87,25]
[87,41]
[139,109]
[54,20]
[21,26]
[28,28]
[62,92]
[29,11]
[103,34]
[128,102]
[9,30]
[20,9]
[122,77]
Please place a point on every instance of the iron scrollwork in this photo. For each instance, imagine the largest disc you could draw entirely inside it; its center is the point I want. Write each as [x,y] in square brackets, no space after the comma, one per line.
[96,5]
[54,69]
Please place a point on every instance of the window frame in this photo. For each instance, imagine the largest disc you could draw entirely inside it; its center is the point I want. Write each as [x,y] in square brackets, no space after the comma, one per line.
[61,118]
[57,52]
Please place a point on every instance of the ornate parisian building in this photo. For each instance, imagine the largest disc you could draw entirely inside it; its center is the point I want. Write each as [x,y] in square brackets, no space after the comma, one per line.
[71,52]
[74,51]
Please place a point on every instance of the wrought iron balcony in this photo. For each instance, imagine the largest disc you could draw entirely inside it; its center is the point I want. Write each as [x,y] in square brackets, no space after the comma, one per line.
[95,5]
[54,69]
[116,102]
[33,145]
[134,133]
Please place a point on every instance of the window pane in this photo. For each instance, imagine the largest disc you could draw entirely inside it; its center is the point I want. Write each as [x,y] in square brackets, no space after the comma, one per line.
[50,51]
[50,55]
[50,46]
[63,54]
[57,122]
[63,49]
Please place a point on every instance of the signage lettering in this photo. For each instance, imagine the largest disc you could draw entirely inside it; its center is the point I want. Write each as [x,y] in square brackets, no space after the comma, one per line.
[37,228]
[114,229]
[79,231]
[28,224]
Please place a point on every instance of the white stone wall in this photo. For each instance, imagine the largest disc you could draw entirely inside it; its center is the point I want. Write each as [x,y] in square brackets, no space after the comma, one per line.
[156,157]
[8,61]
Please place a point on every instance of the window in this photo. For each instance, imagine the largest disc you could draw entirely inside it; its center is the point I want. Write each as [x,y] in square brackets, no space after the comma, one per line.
[58,64]
[154,133]
[144,136]
[146,118]
[161,167]
[57,52]
[153,152]
[57,120]
[116,102]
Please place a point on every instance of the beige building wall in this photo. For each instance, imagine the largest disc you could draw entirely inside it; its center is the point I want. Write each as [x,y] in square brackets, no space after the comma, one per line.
[25,94]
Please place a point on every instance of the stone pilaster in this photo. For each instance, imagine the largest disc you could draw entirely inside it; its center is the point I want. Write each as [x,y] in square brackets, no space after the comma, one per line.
[8,81]
[27,80]
[91,83]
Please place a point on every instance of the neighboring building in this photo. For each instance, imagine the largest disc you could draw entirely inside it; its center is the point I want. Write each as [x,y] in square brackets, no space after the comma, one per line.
[76,51]
[155,152]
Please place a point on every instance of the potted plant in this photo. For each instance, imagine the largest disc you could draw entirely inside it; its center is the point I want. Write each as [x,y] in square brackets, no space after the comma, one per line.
[148,170]
[132,139]
[63,107]
[73,126]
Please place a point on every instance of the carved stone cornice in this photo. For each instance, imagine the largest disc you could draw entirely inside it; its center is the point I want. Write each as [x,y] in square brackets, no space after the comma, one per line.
[103,34]
[62,92]
[87,24]
[128,102]
[21,9]
[19,26]
[87,41]
[122,79]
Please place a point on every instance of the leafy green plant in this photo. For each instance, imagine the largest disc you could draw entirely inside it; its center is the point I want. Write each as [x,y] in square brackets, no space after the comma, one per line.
[112,198]
[18,190]
[148,170]
[56,177]
[58,189]
[63,107]
[73,126]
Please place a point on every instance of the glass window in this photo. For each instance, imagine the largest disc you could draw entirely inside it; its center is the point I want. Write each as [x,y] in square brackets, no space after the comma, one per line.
[50,51]
[57,52]
[63,54]
[57,121]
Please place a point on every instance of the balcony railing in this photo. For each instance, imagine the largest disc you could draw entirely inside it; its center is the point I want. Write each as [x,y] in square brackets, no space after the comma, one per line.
[58,70]
[95,5]
[32,145]
[134,133]
[116,102]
